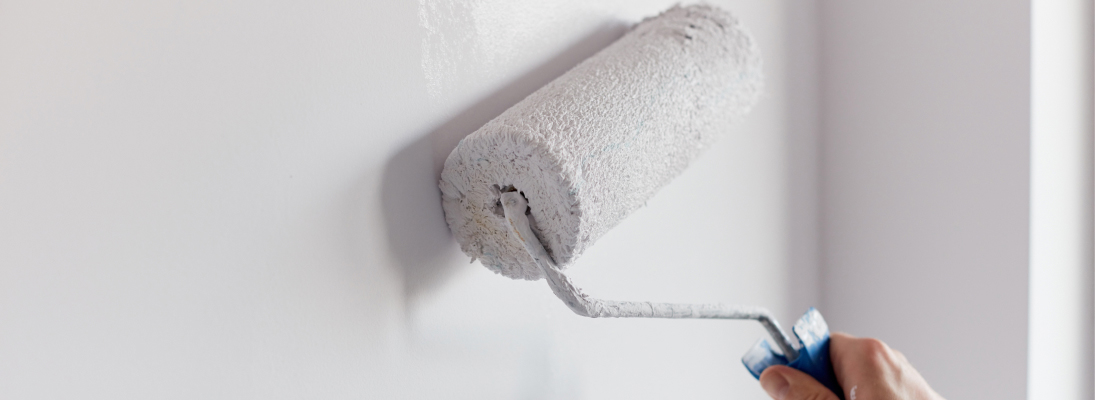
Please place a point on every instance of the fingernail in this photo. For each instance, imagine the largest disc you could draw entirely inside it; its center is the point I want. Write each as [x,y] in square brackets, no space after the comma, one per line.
[776,386]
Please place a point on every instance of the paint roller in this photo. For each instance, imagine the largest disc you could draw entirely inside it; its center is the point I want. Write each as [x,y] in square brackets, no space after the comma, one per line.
[532,189]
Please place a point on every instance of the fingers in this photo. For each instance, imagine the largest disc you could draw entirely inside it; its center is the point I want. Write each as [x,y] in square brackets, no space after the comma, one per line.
[860,359]
[866,364]
[840,346]
[841,336]
[786,383]
[876,369]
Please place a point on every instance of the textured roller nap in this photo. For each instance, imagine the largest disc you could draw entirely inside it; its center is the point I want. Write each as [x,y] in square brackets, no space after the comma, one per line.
[595,144]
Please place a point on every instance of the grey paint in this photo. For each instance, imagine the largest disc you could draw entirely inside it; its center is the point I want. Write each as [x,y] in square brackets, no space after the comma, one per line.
[925,185]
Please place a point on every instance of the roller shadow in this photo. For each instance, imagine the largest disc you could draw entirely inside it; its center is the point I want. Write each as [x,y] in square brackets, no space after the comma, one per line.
[417,232]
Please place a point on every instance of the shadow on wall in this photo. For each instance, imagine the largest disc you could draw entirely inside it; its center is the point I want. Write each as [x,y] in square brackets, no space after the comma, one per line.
[417,232]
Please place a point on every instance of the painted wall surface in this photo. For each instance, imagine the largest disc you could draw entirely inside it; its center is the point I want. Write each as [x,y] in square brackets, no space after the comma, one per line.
[1060,362]
[926,175]
[238,200]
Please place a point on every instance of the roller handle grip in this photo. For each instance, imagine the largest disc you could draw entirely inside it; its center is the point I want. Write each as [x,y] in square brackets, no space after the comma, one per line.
[813,335]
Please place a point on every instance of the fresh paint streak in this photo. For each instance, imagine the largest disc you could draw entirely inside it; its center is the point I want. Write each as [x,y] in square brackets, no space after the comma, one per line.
[468,41]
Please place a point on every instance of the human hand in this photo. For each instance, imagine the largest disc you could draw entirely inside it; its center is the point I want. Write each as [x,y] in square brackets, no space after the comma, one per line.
[866,368]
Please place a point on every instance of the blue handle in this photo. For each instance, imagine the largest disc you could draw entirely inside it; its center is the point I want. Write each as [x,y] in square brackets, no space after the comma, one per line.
[813,335]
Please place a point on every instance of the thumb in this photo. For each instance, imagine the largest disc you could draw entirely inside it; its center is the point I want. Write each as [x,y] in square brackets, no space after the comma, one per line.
[786,383]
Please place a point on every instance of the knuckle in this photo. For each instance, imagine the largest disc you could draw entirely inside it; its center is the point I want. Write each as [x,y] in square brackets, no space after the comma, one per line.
[874,346]
[899,356]
[876,353]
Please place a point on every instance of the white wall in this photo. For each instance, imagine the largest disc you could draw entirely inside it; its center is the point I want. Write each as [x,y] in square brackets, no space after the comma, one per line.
[1061,302]
[237,200]
[926,184]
